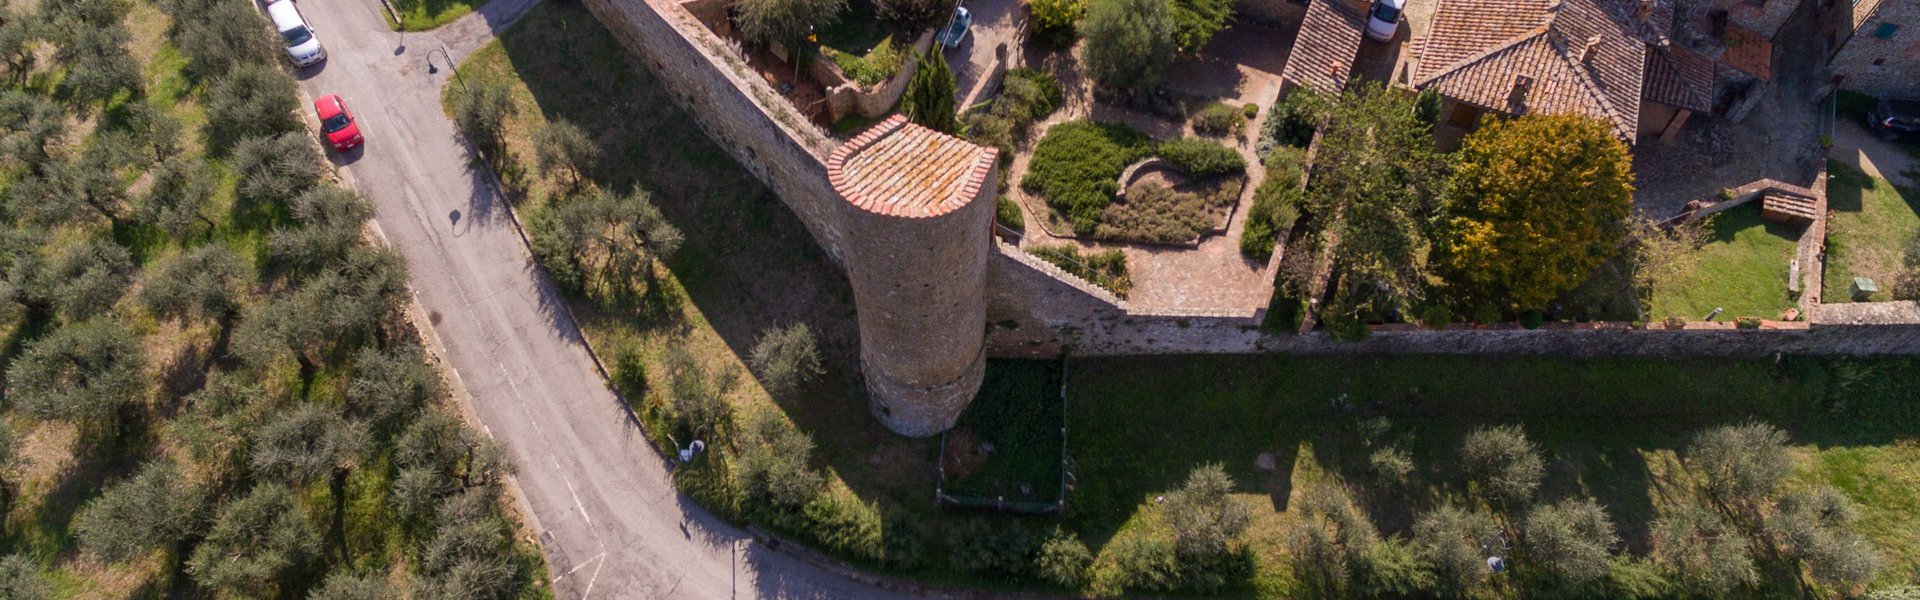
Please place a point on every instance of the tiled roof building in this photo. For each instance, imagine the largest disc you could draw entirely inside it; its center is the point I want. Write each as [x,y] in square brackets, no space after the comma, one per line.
[1587,57]
[1876,47]
[1328,42]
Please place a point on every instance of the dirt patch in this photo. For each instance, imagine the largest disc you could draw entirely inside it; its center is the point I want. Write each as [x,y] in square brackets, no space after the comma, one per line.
[963,454]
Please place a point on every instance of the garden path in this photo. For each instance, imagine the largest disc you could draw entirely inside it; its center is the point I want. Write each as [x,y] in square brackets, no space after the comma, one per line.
[1241,66]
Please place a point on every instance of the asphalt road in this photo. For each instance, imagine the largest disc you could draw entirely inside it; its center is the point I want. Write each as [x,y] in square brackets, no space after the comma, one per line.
[601,500]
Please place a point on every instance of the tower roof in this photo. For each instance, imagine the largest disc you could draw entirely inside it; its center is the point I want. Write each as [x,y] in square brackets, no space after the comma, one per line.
[901,169]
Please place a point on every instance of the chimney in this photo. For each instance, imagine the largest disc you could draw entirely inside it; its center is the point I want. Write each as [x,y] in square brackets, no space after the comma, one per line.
[1586,54]
[1522,86]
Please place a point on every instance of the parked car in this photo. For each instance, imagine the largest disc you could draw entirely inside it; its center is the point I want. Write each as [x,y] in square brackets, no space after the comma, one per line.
[302,47]
[957,28]
[1384,19]
[1895,117]
[337,124]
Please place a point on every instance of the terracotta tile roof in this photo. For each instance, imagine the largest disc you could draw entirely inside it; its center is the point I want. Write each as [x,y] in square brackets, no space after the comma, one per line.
[1483,52]
[901,169]
[1323,52]
[1681,78]
[1862,11]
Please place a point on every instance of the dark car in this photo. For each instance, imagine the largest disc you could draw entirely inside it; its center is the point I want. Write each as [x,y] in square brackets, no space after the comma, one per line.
[1895,117]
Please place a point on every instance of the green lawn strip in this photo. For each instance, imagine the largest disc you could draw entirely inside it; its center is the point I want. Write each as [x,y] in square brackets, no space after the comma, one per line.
[1872,222]
[421,15]
[1019,412]
[1885,482]
[1743,269]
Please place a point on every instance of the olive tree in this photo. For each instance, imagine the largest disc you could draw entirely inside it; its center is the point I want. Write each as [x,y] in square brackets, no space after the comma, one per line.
[437,456]
[469,555]
[1505,462]
[785,357]
[1129,43]
[342,585]
[84,373]
[562,146]
[602,243]
[1703,552]
[1571,541]
[390,387]
[19,31]
[1063,560]
[1450,538]
[217,36]
[1329,540]
[329,222]
[251,100]
[180,189]
[21,579]
[1743,464]
[699,394]
[84,279]
[771,464]
[257,543]
[1816,528]
[1203,514]
[338,308]
[275,169]
[33,129]
[155,509]
[206,283]
[309,443]
[220,423]
[96,60]
[481,113]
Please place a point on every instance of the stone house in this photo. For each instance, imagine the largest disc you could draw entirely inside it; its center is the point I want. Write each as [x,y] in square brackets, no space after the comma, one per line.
[1611,59]
[1874,46]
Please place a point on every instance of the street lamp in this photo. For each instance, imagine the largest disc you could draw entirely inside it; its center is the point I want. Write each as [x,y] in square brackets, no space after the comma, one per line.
[449,58]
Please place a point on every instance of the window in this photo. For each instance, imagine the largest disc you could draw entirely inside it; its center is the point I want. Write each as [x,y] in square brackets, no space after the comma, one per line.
[1885,31]
[1879,62]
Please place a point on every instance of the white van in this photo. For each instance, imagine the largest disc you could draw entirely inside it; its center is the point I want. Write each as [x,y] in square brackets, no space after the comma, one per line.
[302,47]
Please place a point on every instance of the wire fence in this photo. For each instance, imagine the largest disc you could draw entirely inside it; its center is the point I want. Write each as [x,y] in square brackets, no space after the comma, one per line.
[946,499]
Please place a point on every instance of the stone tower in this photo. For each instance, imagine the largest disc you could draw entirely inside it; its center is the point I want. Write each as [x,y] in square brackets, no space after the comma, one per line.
[919,211]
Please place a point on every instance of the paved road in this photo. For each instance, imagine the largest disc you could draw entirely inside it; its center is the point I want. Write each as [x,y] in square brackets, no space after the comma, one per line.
[612,526]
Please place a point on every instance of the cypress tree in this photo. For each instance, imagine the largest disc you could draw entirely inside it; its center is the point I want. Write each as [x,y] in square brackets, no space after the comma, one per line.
[929,100]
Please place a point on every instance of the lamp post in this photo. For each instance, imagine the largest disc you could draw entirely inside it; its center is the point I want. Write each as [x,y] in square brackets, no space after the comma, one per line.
[449,58]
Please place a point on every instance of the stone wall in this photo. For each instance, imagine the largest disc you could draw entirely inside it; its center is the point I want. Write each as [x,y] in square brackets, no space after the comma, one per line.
[735,107]
[846,97]
[1874,65]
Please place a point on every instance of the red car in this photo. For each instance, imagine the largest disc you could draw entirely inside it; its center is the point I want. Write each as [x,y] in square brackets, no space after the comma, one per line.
[341,131]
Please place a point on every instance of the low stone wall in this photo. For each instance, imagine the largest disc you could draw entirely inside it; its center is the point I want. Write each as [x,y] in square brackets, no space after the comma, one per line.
[847,97]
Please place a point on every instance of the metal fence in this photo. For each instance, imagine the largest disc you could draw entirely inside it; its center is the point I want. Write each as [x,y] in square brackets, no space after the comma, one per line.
[944,499]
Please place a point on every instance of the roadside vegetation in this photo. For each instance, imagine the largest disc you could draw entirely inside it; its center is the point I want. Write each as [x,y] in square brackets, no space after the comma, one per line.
[421,15]
[213,388]
[1263,476]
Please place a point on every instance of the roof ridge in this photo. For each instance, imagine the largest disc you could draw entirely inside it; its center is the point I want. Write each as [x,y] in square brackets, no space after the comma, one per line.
[1484,54]
[1589,82]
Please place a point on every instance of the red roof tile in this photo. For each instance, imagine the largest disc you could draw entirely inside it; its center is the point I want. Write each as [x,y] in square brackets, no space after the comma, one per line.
[902,169]
[1323,53]
[1681,78]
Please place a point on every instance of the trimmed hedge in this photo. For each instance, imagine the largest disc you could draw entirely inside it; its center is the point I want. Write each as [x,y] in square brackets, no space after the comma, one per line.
[1200,158]
[1276,203]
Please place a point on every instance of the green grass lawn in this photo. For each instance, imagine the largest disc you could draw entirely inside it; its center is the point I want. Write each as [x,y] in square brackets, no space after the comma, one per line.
[1008,443]
[1610,427]
[1742,268]
[1872,222]
[421,15]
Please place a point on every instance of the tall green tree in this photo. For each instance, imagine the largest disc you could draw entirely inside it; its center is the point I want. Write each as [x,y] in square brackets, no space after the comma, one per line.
[1371,183]
[929,101]
[1195,21]
[785,24]
[603,243]
[562,147]
[1129,43]
[1533,206]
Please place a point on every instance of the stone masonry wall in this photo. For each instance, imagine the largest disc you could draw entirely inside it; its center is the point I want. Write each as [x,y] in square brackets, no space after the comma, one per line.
[1898,56]
[736,108]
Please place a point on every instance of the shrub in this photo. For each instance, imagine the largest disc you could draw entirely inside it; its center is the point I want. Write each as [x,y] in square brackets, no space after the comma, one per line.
[785,357]
[1221,119]
[1063,560]
[1203,514]
[879,65]
[1251,111]
[1026,96]
[1504,461]
[1201,158]
[1816,528]
[1008,212]
[1106,269]
[1128,42]
[1292,121]
[1906,285]
[1436,316]
[1054,20]
[1077,165]
[1156,214]
[784,23]
[989,549]
[1450,539]
[1144,562]
[562,146]
[772,465]
[482,113]
[840,522]
[1391,464]
[1747,322]
[1393,569]
[1700,549]
[1195,21]
[911,14]
[1276,203]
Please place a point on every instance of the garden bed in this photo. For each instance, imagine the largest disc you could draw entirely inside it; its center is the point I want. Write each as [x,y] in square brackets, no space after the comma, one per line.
[1007,451]
[1185,189]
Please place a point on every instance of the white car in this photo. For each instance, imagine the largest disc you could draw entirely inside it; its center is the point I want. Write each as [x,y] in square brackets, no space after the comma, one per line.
[1384,20]
[302,47]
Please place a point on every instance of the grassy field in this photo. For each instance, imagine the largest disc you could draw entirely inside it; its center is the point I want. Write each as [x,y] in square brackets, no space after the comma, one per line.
[1872,222]
[421,15]
[1742,268]
[1611,428]
[1008,443]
